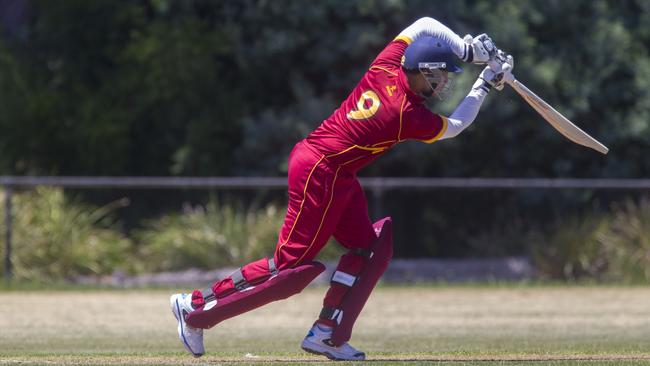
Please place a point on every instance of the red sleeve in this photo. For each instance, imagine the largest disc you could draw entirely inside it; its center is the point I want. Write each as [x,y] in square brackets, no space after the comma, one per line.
[419,123]
[391,56]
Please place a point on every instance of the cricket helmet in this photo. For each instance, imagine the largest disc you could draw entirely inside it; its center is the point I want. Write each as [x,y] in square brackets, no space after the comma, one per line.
[430,56]
[429,53]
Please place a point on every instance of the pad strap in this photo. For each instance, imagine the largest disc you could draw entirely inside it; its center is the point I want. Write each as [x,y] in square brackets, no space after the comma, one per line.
[331,314]
[273,270]
[208,295]
[239,281]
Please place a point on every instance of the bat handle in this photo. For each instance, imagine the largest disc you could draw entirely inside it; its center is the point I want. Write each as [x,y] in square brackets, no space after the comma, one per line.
[512,81]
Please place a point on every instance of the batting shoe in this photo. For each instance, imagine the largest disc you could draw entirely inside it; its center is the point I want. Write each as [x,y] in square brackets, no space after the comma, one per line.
[191,337]
[318,342]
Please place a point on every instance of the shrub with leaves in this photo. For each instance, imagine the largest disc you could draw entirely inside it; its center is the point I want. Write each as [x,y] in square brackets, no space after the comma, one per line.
[56,238]
[611,247]
[208,237]
[627,242]
[213,235]
[571,250]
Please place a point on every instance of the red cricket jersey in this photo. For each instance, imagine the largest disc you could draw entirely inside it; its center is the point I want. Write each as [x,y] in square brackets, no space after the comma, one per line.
[380,112]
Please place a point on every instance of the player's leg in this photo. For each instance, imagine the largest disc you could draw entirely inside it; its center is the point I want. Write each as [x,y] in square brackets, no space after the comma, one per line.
[370,249]
[198,311]
[361,286]
[355,232]
[250,287]
[316,209]
[315,205]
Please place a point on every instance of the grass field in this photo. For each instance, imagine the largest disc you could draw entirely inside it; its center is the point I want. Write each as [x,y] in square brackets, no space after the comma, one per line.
[400,326]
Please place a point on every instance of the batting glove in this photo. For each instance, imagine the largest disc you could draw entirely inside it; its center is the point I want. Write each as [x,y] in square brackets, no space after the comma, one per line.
[498,73]
[479,50]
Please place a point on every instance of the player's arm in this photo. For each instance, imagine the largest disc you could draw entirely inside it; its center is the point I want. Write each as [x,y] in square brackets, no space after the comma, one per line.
[468,108]
[468,49]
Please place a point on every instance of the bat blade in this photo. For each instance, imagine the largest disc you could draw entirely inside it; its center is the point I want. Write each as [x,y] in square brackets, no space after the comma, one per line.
[556,119]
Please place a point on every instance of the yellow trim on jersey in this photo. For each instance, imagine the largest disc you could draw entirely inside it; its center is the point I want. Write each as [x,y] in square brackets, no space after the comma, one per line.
[383,69]
[445,123]
[302,203]
[401,112]
[322,218]
[404,38]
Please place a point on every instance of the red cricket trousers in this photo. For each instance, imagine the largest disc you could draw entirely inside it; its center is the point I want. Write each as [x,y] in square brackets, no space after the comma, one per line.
[324,200]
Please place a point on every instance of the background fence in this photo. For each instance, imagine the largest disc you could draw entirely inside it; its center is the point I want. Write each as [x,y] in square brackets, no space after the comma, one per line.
[377,187]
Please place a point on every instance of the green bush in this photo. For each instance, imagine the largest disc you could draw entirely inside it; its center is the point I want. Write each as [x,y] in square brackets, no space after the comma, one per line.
[208,237]
[609,247]
[571,250]
[55,238]
[627,242]
[213,235]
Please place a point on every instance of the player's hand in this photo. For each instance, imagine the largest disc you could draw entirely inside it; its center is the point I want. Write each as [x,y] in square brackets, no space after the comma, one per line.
[483,49]
[503,63]
[497,74]
[507,69]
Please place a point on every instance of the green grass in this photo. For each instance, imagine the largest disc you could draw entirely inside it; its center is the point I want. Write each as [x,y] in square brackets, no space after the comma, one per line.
[466,325]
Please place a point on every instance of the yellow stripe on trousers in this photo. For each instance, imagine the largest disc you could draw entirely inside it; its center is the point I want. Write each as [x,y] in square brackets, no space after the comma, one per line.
[322,218]
[302,203]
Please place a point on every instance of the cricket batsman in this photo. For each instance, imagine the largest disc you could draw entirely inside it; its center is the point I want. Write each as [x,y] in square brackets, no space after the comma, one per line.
[325,197]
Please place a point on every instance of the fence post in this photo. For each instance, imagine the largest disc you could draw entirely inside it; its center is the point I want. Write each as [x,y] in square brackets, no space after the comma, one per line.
[8,232]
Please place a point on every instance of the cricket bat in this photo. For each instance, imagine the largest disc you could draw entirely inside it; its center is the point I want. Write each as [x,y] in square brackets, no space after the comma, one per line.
[556,119]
